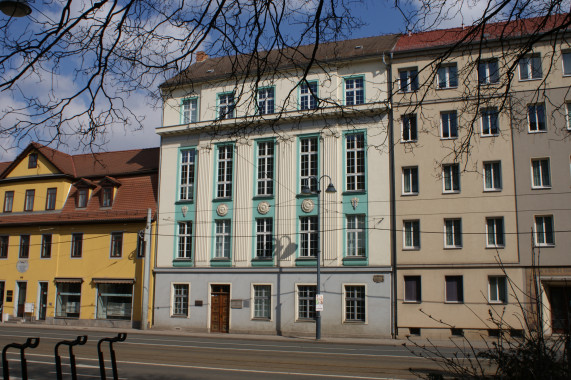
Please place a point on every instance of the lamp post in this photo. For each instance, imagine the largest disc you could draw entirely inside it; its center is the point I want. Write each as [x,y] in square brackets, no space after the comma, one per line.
[307,190]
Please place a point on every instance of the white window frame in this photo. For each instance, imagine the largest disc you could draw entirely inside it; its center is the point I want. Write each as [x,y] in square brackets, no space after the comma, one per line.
[184,240]
[449,119]
[253,302]
[411,228]
[454,226]
[488,72]
[264,237]
[451,178]
[187,174]
[307,236]
[226,106]
[541,168]
[410,78]
[308,94]
[355,153]
[224,170]
[354,86]
[418,299]
[409,124]
[528,68]
[266,100]
[189,110]
[222,239]
[568,115]
[494,222]
[566,54]
[534,114]
[82,197]
[116,245]
[310,158]
[265,168]
[297,303]
[344,303]
[410,177]
[356,234]
[492,170]
[543,226]
[447,76]
[172,301]
[500,289]
[490,116]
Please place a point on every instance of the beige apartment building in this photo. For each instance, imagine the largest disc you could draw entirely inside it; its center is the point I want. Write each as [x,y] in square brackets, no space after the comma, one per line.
[478,165]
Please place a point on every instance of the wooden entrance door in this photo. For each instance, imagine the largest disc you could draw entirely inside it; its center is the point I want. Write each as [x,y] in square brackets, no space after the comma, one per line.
[220,308]
[21,298]
[43,304]
[560,298]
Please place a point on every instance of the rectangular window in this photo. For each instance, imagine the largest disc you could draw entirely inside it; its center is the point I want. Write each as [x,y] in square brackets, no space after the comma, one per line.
[189,111]
[308,236]
[410,180]
[141,244]
[4,244]
[68,301]
[411,234]
[114,301]
[492,176]
[355,303]
[306,301]
[530,67]
[449,125]
[408,79]
[451,178]
[266,100]
[51,198]
[566,57]
[116,244]
[541,178]
[409,128]
[265,179]
[355,154]
[187,168]
[454,289]
[180,300]
[568,105]
[226,106]
[224,178]
[308,96]
[8,201]
[488,72]
[544,236]
[46,246]
[308,162]
[24,247]
[184,251]
[82,198]
[412,289]
[262,301]
[29,202]
[33,161]
[354,91]
[107,197]
[264,238]
[495,232]
[76,245]
[447,76]
[452,233]
[536,118]
[222,247]
[490,124]
[498,290]
[356,242]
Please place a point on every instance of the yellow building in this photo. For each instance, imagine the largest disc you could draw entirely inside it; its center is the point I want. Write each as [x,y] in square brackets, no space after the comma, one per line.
[72,236]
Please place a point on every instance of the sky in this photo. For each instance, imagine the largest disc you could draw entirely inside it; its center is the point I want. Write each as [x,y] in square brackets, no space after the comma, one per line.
[378,16]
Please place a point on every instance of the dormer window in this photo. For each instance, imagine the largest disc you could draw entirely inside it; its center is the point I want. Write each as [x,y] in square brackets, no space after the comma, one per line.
[82,198]
[33,161]
[106,197]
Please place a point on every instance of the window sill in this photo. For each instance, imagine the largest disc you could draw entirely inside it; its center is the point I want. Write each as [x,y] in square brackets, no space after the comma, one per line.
[530,79]
[411,248]
[354,192]
[495,246]
[260,319]
[497,303]
[447,88]
[182,263]
[451,248]
[180,316]
[354,322]
[257,262]
[538,131]
[489,135]
[451,192]
[184,201]
[220,262]
[305,320]
[544,245]
[540,187]
[449,138]
[408,141]
[412,302]
[409,194]
[355,261]
[305,262]
[454,302]
[260,197]
[492,190]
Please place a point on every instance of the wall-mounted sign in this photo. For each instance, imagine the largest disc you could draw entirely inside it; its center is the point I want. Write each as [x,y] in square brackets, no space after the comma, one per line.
[9,295]
[378,278]
[236,304]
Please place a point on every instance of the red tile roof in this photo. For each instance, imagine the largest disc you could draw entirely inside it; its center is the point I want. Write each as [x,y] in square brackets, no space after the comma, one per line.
[492,31]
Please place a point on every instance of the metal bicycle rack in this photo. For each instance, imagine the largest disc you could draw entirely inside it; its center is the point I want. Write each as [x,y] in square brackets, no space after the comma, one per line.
[80,340]
[30,343]
[119,338]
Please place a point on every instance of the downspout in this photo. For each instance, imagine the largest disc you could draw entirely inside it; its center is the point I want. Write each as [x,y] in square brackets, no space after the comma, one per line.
[394,324]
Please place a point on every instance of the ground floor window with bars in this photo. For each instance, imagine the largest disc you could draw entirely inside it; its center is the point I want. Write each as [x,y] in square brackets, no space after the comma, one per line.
[180,298]
[354,303]
[114,301]
[262,301]
[68,300]
[306,301]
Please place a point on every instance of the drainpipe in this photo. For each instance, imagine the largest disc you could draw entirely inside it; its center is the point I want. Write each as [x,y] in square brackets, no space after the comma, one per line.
[393,221]
[146,274]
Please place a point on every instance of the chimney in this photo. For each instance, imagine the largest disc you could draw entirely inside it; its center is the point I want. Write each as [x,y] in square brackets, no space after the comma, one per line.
[201,56]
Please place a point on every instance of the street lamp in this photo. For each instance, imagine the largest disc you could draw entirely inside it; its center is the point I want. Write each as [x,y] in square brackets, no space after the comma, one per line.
[15,8]
[306,190]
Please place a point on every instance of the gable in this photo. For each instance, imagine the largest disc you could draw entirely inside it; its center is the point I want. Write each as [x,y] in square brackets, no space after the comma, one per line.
[22,169]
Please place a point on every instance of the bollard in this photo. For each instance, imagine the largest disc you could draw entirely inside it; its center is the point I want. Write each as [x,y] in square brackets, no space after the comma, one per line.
[119,338]
[31,343]
[80,340]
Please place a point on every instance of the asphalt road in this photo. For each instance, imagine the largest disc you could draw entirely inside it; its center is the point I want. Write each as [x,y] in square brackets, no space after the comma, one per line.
[167,356]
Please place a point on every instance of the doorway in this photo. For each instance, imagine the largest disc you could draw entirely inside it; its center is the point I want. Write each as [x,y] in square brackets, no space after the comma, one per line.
[560,297]
[220,308]
[21,298]
[43,301]
[1,301]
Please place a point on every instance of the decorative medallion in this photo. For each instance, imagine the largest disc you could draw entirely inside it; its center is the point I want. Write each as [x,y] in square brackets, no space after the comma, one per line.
[307,205]
[263,208]
[222,209]
[22,266]
[354,202]
[184,210]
